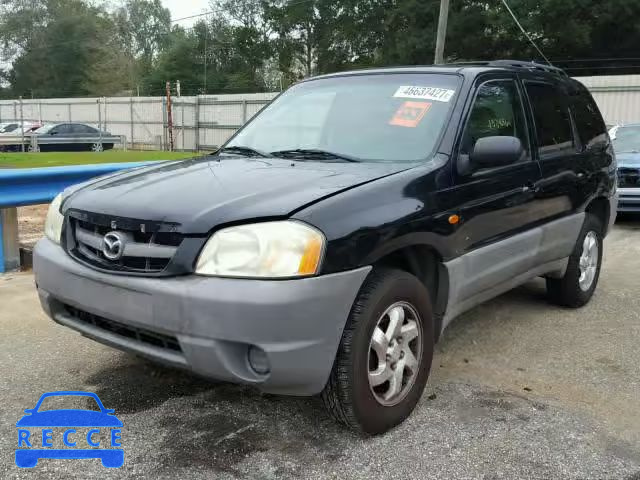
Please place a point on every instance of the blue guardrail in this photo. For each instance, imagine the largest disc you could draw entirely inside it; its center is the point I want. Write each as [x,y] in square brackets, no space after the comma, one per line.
[32,186]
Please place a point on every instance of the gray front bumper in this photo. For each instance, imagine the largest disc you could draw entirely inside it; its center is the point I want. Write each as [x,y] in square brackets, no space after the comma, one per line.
[298,323]
[629,200]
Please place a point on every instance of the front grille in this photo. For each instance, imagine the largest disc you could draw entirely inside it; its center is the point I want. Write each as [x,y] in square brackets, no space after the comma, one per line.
[141,335]
[143,251]
[629,177]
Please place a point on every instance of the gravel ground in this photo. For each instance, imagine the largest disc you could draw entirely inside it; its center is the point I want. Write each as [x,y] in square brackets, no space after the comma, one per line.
[31,224]
[519,389]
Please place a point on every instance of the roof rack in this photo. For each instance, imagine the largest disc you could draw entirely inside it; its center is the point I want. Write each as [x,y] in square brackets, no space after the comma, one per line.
[533,66]
[527,65]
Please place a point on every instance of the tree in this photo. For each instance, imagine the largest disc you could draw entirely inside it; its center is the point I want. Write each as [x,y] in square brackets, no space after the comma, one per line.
[144,26]
[61,56]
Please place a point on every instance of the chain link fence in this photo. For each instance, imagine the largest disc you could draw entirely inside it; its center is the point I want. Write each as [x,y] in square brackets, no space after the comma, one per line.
[198,123]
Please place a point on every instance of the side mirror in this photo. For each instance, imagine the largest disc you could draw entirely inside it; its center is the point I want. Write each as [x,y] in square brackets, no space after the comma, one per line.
[496,152]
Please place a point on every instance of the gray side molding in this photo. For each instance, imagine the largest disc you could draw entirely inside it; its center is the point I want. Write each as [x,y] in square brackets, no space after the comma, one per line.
[489,271]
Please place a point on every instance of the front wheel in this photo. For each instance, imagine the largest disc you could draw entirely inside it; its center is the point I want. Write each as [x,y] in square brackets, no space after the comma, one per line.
[576,288]
[97,147]
[385,354]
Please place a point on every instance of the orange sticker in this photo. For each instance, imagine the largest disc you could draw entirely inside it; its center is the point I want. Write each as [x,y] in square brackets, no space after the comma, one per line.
[409,114]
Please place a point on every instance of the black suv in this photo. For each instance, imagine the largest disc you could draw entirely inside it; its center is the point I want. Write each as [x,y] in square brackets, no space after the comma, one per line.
[327,245]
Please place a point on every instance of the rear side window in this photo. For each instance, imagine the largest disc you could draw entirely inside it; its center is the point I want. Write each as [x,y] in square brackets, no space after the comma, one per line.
[591,126]
[551,115]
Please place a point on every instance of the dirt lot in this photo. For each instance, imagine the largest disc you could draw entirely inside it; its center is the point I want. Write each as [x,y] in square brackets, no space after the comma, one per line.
[519,389]
[31,224]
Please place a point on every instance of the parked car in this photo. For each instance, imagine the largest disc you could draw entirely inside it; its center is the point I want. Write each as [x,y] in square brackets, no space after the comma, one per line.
[626,144]
[72,137]
[327,245]
[14,128]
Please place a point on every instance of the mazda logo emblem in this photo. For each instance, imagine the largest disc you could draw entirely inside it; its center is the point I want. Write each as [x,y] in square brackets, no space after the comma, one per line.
[113,245]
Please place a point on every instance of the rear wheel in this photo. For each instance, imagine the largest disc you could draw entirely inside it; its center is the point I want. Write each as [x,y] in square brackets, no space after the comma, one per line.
[97,147]
[576,288]
[385,354]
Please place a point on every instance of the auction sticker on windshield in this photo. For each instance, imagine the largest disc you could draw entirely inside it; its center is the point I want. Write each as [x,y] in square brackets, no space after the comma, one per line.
[409,114]
[425,93]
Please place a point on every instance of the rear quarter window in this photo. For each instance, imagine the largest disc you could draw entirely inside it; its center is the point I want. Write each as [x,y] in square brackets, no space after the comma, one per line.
[591,126]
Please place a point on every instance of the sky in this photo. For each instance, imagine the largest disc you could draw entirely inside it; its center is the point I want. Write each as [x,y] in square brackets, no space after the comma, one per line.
[185,8]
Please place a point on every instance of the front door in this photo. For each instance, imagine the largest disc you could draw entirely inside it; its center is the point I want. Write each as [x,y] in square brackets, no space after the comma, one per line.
[496,240]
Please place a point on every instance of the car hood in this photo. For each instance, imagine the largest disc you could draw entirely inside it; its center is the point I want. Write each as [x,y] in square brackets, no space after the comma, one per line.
[69,418]
[628,160]
[200,193]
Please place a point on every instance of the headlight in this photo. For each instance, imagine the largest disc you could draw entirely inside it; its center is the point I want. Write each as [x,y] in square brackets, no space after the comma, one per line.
[264,250]
[53,223]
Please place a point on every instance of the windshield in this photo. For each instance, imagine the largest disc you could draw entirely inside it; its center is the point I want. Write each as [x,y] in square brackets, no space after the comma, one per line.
[627,140]
[66,402]
[388,117]
[8,128]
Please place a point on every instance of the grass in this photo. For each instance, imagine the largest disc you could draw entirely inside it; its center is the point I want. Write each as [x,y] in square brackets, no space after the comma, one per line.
[58,159]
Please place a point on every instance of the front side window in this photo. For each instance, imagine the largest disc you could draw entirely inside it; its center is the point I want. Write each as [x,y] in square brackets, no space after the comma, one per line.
[551,115]
[496,112]
[375,118]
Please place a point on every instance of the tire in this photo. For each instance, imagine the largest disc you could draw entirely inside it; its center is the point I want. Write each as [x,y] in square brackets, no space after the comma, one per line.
[568,291]
[97,147]
[348,395]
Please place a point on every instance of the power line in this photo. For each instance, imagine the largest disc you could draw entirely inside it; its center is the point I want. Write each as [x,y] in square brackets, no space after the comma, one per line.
[219,10]
[504,2]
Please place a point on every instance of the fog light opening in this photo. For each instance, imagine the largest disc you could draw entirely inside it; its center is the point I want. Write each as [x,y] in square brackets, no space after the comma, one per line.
[258,360]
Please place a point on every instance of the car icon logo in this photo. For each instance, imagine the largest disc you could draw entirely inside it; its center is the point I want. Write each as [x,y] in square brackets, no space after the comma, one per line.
[113,245]
[81,433]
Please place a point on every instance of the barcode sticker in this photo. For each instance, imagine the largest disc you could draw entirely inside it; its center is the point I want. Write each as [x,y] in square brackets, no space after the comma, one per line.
[425,93]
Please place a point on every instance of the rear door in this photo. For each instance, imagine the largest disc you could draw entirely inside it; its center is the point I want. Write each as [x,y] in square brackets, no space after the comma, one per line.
[566,166]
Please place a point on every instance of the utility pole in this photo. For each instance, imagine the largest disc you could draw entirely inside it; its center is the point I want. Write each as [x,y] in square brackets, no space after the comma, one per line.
[21,128]
[206,54]
[442,31]
[169,116]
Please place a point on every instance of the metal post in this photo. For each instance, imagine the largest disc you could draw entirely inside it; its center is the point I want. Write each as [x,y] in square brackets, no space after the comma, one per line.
[442,31]
[164,123]
[69,111]
[106,117]
[99,120]
[197,124]
[244,112]
[169,116]
[9,242]
[21,124]
[40,112]
[131,119]
[15,110]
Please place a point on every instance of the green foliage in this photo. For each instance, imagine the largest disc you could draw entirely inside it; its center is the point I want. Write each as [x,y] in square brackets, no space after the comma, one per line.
[75,47]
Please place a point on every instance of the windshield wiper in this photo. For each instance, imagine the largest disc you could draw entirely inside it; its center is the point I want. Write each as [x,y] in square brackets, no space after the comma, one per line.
[313,154]
[240,150]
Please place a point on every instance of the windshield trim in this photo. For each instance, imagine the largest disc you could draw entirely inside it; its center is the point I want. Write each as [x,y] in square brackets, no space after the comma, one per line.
[436,145]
